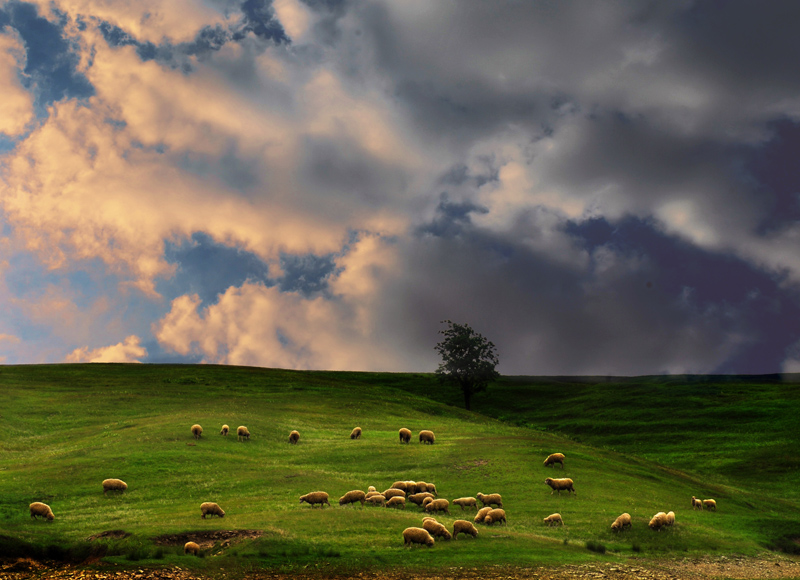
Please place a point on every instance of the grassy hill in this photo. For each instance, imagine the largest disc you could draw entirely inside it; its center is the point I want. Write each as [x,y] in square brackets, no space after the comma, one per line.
[635,448]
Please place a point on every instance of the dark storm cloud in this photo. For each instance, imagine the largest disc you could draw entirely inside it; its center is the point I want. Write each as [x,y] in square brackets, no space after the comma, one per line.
[52,59]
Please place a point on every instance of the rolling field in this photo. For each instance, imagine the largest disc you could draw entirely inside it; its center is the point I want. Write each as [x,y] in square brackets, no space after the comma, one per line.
[65,428]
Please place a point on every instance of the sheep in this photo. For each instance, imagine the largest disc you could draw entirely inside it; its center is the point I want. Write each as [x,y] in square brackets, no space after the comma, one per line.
[554,458]
[191,548]
[466,502]
[490,499]
[710,504]
[696,503]
[418,498]
[372,488]
[224,430]
[114,485]
[376,499]
[426,501]
[464,527]
[373,492]
[658,521]
[554,520]
[496,515]
[197,431]
[405,435]
[426,436]
[438,505]
[294,437]
[352,497]
[559,484]
[481,515]
[436,529]
[355,433]
[209,508]
[622,522]
[670,518]
[392,492]
[431,488]
[41,509]
[242,433]
[417,536]
[397,502]
[315,497]
[421,487]
[400,485]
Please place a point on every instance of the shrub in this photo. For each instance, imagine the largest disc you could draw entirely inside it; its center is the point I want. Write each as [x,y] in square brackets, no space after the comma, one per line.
[596,547]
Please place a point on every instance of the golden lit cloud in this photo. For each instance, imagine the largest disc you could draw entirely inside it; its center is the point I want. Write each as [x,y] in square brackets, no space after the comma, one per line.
[128,351]
[16,104]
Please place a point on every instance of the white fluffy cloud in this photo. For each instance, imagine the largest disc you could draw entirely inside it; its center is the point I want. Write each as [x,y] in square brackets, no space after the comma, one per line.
[128,351]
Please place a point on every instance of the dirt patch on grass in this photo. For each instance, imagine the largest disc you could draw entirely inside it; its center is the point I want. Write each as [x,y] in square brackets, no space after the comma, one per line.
[115,534]
[207,539]
[472,464]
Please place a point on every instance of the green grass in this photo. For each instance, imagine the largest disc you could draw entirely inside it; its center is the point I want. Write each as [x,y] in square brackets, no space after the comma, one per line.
[639,448]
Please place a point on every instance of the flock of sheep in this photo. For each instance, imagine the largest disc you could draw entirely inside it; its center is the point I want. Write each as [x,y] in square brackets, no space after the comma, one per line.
[421,493]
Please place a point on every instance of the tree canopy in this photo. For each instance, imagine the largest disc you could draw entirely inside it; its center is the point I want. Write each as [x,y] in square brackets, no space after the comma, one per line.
[468,360]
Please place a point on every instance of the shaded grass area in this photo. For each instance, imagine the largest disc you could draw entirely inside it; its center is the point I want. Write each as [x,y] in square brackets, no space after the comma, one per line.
[71,426]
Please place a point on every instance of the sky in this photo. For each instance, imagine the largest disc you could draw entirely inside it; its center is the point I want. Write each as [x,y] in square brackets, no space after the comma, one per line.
[599,188]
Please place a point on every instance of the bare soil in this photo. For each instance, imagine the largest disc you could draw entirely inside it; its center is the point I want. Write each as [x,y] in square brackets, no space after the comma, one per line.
[708,568]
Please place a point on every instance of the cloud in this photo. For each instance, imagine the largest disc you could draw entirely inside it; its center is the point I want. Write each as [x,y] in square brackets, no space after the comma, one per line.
[16,107]
[128,351]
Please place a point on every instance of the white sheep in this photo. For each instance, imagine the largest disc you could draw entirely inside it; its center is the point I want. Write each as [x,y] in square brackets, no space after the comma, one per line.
[438,505]
[658,521]
[697,504]
[294,437]
[114,485]
[197,431]
[496,515]
[559,484]
[405,435]
[315,497]
[393,492]
[397,502]
[417,536]
[554,520]
[554,458]
[352,497]
[426,436]
[242,433]
[464,527]
[670,518]
[436,529]
[622,522]
[209,508]
[481,515]
[490,499]
[466,502]
[39,509]
[191,548]
[224,430]
[355,433]
[710,504]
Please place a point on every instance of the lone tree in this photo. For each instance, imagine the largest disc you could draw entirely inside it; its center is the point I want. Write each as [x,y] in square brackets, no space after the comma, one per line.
[468,360]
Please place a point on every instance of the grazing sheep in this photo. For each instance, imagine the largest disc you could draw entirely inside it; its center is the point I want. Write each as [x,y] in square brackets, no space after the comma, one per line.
[372,488]
[191,548]
[39,509]
[466,502]
[355,433]
[315,497]
[224,430]
[438,505]
[418,498]
[376,499]
[559,484]
[420,487]
[197,431]
[426,436]
[622,522]
[417,536]
[114,485]
[209,508]
[294,437]
[352,497]
[371,493]
[658,521]
[392,492]
[397,502]
[554,520]
[554,458]
[696,503]
[431,488]
[436,529]
[464,527]
[242,433]
[405,435]
[426,501]
[710,504]
[479,517]
[490,499]
[400,485]
[670,518]
[496,515]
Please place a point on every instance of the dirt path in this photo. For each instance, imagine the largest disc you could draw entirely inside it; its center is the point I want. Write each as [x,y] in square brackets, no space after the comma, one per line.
[774,567]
